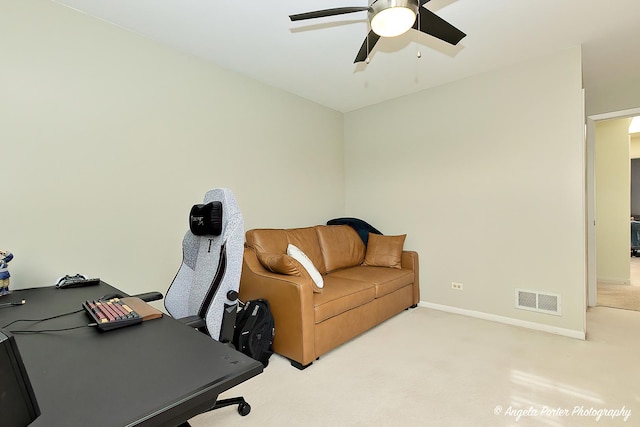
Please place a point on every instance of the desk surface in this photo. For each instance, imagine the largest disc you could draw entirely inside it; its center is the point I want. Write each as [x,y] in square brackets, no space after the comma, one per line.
[156,373]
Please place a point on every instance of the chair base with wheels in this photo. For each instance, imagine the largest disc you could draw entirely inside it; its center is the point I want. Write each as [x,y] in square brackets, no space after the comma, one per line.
[243,407]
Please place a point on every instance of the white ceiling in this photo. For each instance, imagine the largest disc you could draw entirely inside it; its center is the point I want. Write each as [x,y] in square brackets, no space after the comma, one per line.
[314,59]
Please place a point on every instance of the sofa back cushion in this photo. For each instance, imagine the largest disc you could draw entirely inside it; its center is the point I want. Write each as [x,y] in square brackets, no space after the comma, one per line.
[341,246]
[275,241]
[267,240]
[306,239]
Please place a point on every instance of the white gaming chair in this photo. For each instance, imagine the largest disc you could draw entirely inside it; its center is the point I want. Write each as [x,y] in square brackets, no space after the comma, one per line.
[204,293]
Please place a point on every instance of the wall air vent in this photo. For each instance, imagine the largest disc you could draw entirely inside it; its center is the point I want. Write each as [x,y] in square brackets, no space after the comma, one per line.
[538,301]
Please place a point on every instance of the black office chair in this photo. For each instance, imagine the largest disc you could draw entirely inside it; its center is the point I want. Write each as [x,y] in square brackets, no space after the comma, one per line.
[204,293]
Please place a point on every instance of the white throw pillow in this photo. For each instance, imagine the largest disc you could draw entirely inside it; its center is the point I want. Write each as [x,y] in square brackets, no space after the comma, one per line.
[295,253]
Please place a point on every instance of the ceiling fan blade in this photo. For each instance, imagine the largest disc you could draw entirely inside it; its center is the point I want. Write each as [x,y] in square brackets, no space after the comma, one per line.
[364,52]
[432,24]
[422,2]
[326,12]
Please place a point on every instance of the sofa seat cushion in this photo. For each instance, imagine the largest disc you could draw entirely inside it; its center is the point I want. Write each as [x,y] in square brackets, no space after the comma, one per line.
[339,295]
[385,280]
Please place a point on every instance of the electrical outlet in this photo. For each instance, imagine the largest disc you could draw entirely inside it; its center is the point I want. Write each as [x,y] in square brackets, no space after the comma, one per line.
[456,286]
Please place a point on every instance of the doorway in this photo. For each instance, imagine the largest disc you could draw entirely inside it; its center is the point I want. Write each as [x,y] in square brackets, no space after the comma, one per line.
[608,292]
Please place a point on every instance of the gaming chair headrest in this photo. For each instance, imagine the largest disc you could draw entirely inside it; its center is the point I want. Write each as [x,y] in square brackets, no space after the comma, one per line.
[206,219]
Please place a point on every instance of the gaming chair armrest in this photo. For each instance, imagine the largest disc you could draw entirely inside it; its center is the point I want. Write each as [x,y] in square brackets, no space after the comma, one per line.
[149,296]
[195,322]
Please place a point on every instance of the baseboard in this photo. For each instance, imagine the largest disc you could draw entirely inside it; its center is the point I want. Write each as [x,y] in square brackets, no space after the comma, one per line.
[614,280]
[571,333]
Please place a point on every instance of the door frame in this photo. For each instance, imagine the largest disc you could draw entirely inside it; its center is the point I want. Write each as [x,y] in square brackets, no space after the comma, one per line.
[592,278]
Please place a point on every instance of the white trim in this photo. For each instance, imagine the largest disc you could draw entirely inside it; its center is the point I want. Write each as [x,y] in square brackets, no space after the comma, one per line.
[590,184]
[616,114]
[571,333]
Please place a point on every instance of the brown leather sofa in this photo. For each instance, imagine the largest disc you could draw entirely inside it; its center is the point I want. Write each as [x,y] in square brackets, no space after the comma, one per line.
[362,285]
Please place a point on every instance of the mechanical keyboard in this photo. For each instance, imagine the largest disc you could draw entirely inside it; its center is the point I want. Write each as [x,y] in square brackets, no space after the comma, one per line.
[111,314]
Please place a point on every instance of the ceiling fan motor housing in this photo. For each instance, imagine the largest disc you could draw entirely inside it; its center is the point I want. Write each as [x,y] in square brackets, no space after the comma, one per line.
[404,8]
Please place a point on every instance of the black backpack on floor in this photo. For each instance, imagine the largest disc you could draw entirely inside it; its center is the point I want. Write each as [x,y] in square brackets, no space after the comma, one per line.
[255,330]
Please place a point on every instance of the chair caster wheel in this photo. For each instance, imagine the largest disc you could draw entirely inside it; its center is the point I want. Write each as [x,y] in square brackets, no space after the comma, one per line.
[244,409]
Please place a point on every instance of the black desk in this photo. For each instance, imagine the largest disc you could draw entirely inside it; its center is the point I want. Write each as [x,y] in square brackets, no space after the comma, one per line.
[157,373]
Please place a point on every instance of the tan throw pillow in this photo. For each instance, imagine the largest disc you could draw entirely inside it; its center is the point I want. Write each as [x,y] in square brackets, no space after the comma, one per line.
[384,251]
[285,264]
[279,263]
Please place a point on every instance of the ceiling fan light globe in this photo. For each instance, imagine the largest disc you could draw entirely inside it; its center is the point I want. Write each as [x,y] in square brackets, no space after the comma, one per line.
[393,21]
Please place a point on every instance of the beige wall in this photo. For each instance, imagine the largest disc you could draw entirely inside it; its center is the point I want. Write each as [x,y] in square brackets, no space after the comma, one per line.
[612,201]
[634,146]
[108,139]
[486,176]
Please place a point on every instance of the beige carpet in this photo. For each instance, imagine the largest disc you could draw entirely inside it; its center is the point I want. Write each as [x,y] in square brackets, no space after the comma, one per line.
[619,296]
[436,369]
[622,296]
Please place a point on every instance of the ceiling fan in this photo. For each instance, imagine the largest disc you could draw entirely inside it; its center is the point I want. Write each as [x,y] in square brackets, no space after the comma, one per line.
[390,18]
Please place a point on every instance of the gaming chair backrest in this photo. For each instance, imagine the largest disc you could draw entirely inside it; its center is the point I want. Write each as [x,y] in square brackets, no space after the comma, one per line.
[211,267]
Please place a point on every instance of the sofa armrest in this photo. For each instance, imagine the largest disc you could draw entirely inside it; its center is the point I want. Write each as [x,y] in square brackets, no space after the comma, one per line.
[291,301]
[409,260]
